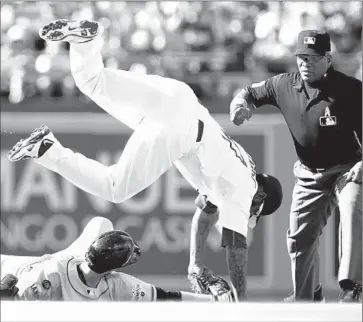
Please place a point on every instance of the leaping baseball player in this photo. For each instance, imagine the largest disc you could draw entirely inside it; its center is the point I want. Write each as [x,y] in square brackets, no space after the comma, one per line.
[171,127]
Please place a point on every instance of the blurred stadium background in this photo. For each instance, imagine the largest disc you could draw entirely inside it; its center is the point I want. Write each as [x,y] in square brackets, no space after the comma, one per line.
[216,47]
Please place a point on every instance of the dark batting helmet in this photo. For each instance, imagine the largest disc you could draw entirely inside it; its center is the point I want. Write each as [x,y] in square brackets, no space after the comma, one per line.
[272,188]
[112,250]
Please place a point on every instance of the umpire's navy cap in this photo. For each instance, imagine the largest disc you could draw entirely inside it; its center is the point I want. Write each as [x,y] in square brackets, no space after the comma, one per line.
[313,42]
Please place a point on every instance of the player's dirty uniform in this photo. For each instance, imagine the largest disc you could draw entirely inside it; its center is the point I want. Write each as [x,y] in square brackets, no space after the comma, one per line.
[326,126]
[170,127]
[64,276]
[49,278]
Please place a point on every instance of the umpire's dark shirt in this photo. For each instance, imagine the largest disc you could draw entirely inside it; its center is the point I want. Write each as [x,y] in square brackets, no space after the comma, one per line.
[302,106]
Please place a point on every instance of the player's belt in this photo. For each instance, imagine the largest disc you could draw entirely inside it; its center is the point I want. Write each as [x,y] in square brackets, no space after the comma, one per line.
[200,130]
[314,170]
[318,170]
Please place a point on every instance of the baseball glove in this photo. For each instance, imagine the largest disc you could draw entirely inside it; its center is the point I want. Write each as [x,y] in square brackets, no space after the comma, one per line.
[7,287]
[209,283]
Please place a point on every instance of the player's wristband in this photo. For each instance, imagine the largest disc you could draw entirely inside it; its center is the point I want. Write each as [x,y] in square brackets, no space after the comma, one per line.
[205,205]
[162,295]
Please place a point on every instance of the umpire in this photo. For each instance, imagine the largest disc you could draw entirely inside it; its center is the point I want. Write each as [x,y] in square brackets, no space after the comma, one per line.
[323,111]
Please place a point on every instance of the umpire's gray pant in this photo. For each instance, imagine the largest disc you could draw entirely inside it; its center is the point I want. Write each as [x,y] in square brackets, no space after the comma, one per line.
[315,196]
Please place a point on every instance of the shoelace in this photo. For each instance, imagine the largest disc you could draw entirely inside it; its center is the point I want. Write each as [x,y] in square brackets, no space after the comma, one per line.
[203,279]
[206,279]
[218,287]
[218,284]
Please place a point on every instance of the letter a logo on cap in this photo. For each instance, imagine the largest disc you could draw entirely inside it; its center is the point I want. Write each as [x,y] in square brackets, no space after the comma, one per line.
[309,40]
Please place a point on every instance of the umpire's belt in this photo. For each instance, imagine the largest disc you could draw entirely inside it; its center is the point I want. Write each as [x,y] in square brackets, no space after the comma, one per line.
[200,130]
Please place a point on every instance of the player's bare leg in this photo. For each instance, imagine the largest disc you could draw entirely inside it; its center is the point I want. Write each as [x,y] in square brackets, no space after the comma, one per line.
[202,279]
[202,224]
[237,266]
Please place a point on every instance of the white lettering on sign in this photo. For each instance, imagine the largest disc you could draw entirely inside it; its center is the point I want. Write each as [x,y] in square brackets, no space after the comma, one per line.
[70,196]
[155,234]
[70,229]
[101,205]
[36,181]
[64,208]
[143,206]
[170,235]
[27,222]
[15,232]
[179,231]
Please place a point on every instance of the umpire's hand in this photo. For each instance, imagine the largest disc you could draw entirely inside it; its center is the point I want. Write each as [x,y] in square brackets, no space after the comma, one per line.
[8,290]
[239,110]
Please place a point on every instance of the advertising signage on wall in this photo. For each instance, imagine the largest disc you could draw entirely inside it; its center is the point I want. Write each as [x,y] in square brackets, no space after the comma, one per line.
[43,213]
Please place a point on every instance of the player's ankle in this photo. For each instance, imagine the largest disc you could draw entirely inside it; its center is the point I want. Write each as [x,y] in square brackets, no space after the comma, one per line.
[196,268]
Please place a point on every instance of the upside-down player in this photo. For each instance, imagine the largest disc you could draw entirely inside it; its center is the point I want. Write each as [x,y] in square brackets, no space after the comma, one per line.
[170,127]
[95,274]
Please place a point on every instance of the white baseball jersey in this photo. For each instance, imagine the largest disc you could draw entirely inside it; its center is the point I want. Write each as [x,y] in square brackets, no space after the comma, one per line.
[166,115]
[49,278]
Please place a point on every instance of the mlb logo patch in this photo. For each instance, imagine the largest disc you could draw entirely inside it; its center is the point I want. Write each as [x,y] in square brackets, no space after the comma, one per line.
[309,40]
[46,284]
[327,119]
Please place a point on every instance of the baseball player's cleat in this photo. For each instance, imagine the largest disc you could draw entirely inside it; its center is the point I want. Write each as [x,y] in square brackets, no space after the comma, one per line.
[208,283]
[225,297]
[73,31]
[200,282]
[318,295]
[34,146]
[351,296]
